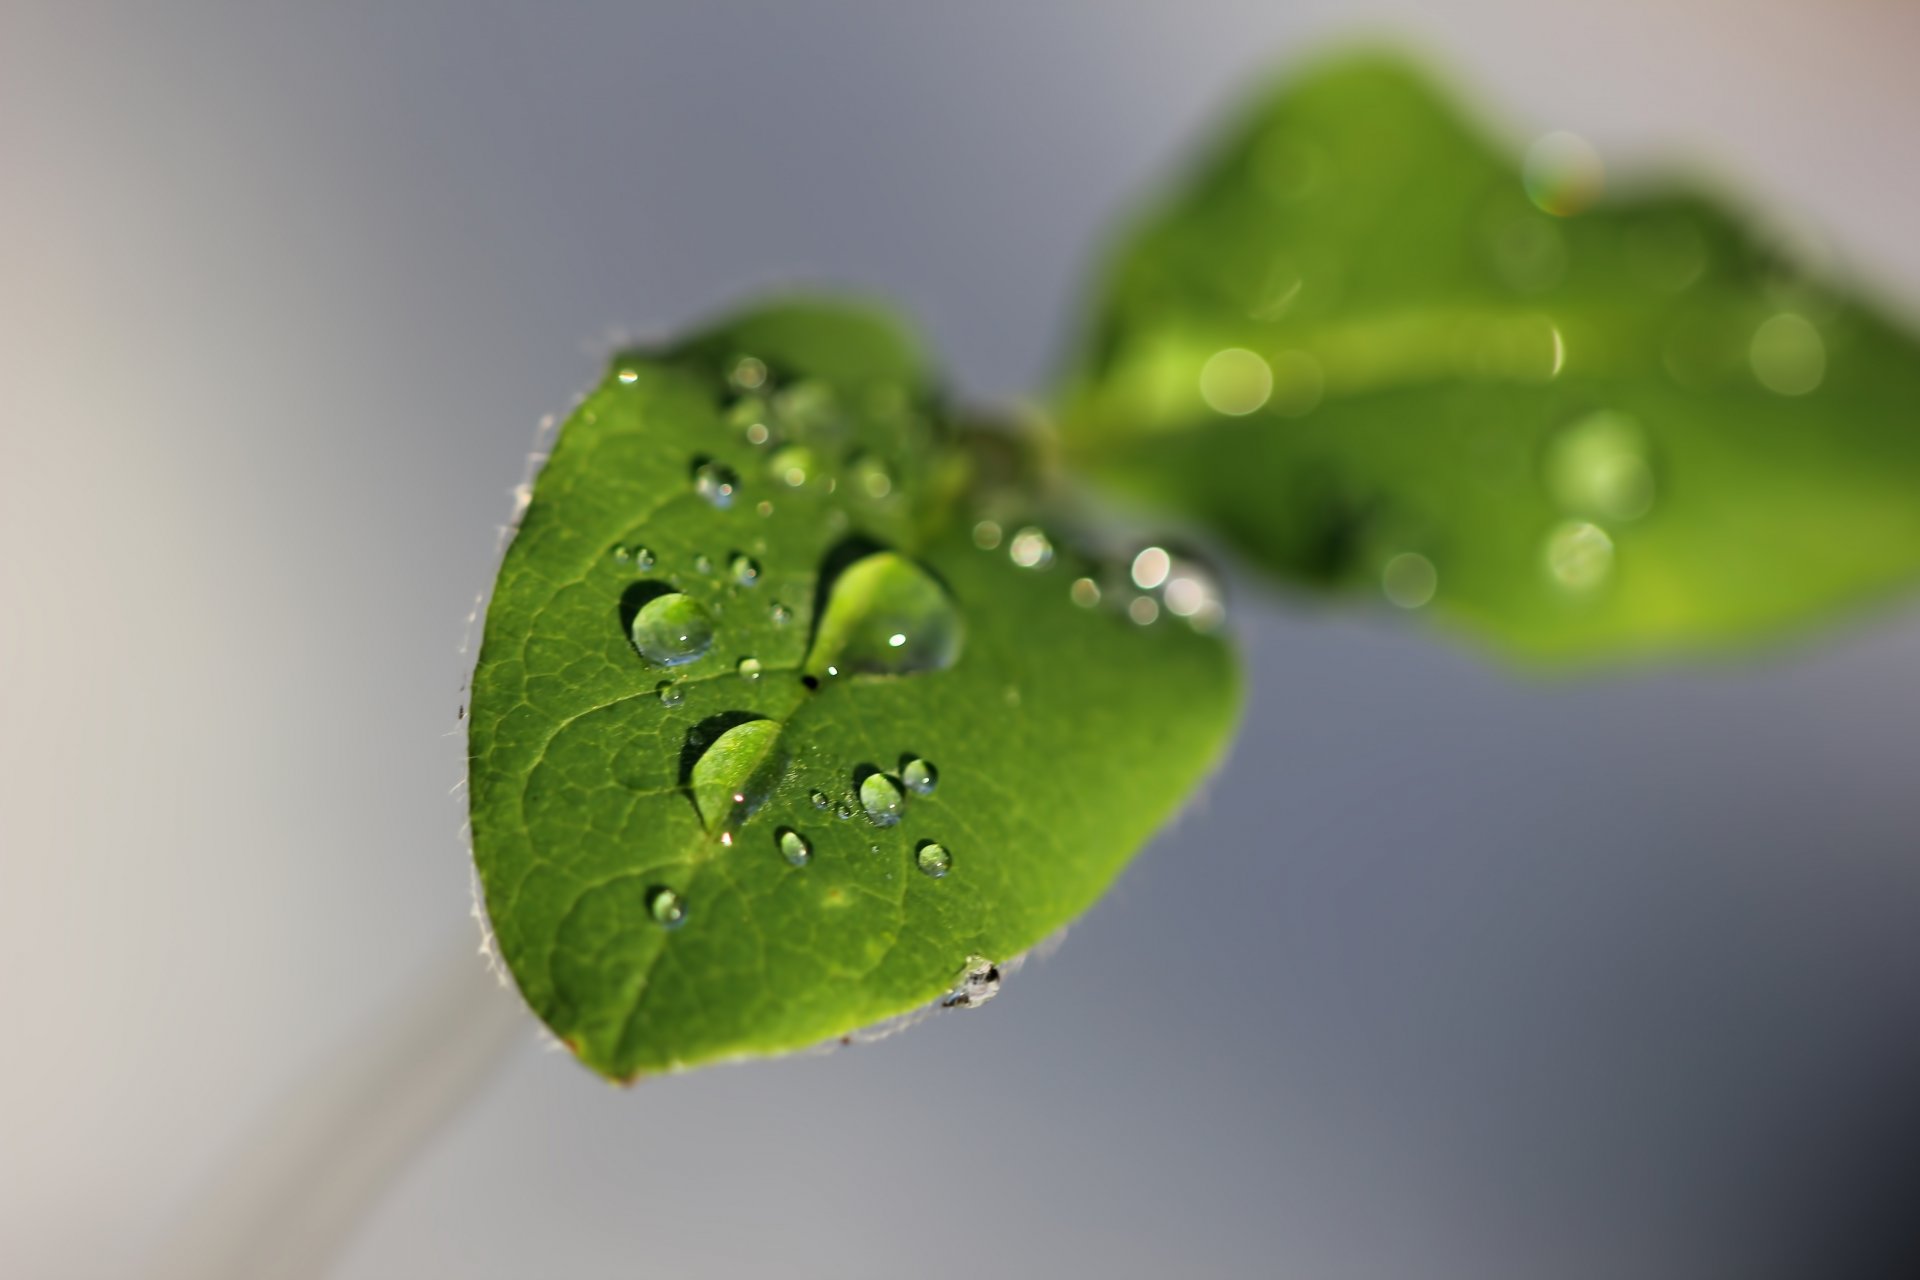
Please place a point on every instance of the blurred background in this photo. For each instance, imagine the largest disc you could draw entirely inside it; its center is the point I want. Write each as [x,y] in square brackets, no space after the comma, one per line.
[1451,972]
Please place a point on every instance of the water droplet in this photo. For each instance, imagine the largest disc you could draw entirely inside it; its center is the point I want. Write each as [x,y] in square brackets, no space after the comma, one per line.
[1235,382]
[1563,174]
[703,565]
[920,776]
[1409,580]
[642,559]
[629,375]
[819,799]
[764,508]
[844,813]
[1030,549]
[780,614]
[1143,610]
[716,482]
[621,553]
[1193,593]
[737,772]
[806,406]
[746,570]
[986,535]
[671,694]
[933,859]
[979,982]
[748,373]
[757,433]
[1598,467]
[1085,592]
[792,465]
[667,908]
[1150,568]
[673,629]
[794,847]
[880,797]
[1579,555]
[872,601]
[871,477]
[749,668]
[1787,355]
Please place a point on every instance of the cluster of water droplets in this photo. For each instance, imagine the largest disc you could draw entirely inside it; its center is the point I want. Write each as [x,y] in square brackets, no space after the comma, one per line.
[1152,583]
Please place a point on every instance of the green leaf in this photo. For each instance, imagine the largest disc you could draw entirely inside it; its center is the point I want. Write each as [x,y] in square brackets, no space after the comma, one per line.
[773,524]
[1377,354]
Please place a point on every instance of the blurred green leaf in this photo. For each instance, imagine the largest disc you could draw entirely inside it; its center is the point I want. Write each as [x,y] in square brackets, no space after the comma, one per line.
[764,747]
[1374,352]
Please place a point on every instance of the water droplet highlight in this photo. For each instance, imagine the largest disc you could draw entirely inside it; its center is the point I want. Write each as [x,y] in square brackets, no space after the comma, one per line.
[716,482]
[920,776]
[1085,592]
[794,847]
[1030,549]
[819,799]
[672,630]
[986,535]
[668,909]
[880,797]
[932,859]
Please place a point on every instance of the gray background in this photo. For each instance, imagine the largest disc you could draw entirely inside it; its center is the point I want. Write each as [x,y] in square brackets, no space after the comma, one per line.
[1450,972]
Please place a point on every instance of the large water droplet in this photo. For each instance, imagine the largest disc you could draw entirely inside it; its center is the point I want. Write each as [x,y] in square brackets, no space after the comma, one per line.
[672,629]
[885,615]
[716,482]
[667,908]
[979,982]
[920,776]
[794,847]
[880,797]
[736,773]
[1579,555]
[932,859]
[1598,467]
[745,570]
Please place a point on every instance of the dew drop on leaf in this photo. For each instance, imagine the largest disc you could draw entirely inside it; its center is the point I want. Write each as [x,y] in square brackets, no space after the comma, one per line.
[737,772]
[920,776]
[749,668]
[885,615]
[819,799]
[794,847]
[1579,555]
[933,859]
[716,482]
[880,796]
[671,694]
[668,909]
[673,629]
[702,565]
[745,570]
[780,614]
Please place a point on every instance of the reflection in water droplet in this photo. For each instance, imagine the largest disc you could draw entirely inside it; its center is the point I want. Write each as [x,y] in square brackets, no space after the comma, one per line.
[666,907]
[794,847]
[885,615]
[672,629]
[979,982]
[715,482]
[749,668]
[1143,610]
[933,859]
[1787,355]
[819,799]
[1409,580]
[1579,555]
[703,565]
[1235,382]
[745,570]
[671,694]
[1030,549]
[920,776]
[1563,174]
[986,535]
[780,614]
[1085,592]
[1150,568]
[1598,467]
[880,797]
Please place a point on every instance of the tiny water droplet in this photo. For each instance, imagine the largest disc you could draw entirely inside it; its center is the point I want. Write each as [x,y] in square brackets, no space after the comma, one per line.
[794,847]
[920,776]
[880,797]
[642,559]
[621,553]
[1144,610]
[703,565]
[819,799]
[979,982]
[986,535]
[629,375]
[932,859]
[673,629]
[671,694]
[1085,592]
[873,848]
[746,570]
[1030,549]
[780,614]
[757,433]
[1579,555]
[748,373]
[765,508]
[668,909]
[749,668]
[844,813]
[871,476]
[792,465]
[716,482]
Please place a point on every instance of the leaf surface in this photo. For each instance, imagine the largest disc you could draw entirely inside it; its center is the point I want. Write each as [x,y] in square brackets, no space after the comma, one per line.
[776,513]
[1377,353]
